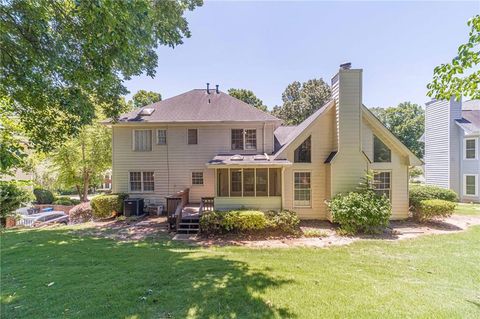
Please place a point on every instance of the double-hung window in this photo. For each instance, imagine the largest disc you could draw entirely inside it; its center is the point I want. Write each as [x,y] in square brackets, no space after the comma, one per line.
[302,189]
[470,147]
[142,182]
[192,138]
[470,185]
[382,183]
[197,178]
[244,139]
[161,137]
[142,140]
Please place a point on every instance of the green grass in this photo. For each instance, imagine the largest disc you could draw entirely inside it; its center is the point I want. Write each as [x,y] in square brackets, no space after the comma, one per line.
[468,209]
[428,277]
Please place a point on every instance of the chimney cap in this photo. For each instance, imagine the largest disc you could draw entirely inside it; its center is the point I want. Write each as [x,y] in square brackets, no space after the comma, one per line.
[346,65]
[216,89]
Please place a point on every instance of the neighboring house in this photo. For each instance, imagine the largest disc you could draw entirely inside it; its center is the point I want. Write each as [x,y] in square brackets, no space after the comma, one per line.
[221,147]
[452,133]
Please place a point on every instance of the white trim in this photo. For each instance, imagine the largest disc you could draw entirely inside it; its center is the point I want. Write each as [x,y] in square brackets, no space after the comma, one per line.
[293,177]
[465,148]
[465,184]
[141,181]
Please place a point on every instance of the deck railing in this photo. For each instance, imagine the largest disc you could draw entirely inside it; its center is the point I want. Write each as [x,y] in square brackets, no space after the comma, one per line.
[175,204]
[207,204]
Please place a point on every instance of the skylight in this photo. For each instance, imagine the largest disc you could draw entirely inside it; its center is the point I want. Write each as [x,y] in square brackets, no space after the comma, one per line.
[146,111]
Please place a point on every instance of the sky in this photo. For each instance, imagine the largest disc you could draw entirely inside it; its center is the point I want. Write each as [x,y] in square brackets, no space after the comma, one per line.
[264,46]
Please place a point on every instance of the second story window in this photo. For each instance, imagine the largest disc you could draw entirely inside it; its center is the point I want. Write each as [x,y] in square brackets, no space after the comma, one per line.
[161,137]
[192,136]
[244,139]
[470,146]
[303,153]
[381,152]
[142,140]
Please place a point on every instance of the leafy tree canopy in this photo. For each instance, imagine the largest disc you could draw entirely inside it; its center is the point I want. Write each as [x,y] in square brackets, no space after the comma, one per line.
[142,98]
[406,122]
[300,100]
[60,58]
[81,161]
[462,75]
[248,97]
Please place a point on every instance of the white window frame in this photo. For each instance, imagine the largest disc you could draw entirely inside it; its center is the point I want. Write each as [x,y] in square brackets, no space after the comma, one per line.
[465,185]
[141,182]
[465,148]
[378,171]
[158,139]
[133,140]
[198,136]
[244,134]
[311,192]
[191,178]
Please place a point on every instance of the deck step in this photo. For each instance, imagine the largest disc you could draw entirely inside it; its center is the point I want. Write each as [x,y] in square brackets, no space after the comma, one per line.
[187,231]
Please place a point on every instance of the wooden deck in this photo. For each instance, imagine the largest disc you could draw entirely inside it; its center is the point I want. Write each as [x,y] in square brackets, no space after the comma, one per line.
[191,210]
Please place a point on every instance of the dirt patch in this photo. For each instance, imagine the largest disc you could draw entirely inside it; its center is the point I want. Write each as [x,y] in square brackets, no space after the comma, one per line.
[398,230]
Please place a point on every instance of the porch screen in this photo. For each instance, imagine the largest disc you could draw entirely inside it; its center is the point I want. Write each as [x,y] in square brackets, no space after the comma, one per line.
[222,182]
[249,182]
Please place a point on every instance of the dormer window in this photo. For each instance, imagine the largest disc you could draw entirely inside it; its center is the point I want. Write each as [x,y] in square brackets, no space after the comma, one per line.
[303,153]
[244,139]
[381,152]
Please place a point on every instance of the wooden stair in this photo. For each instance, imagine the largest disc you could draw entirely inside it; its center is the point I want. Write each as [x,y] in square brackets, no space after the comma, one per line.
[189,225]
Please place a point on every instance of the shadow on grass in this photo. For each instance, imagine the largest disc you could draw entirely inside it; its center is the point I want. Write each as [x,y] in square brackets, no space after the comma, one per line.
[53,273]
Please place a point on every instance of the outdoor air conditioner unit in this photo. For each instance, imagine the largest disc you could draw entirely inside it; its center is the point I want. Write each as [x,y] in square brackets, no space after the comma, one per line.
[133,207]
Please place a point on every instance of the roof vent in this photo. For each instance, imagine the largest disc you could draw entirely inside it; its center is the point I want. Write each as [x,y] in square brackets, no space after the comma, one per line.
[208,88]
[260,157]
[146,111]
[236,157]
[346,66]
[216,89]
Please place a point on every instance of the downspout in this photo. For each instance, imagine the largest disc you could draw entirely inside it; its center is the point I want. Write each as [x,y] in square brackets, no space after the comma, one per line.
[283,188]
[264,124]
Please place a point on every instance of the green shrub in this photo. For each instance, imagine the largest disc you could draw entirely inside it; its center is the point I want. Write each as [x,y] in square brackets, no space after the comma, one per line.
[434,208]
[285,220]
[43,196]
[211,223]
[244,220]
[64,200]
[419,193]
[360,212]
[104,206]
[81,213]
[12,197]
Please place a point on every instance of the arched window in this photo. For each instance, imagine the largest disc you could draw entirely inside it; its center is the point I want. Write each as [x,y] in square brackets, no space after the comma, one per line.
[303,153]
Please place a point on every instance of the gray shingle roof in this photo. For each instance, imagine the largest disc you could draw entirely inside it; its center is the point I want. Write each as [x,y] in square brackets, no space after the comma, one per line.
[198,106]
[470,121]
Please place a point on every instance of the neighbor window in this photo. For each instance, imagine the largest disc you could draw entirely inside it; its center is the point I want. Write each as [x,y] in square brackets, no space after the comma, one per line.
[197,178]
[142,182]
[244,139]
[303,153]
[381,152]
[162,137]
[302,189]
[470,148]
[382,183]
[142,140]
[471,185]
[192,136]
[249,182]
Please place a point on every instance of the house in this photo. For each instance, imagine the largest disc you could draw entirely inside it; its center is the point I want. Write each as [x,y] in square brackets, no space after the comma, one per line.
[452,133]
[218,146]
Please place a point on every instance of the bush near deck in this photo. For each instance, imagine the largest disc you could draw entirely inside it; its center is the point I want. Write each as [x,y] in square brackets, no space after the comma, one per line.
[245,221]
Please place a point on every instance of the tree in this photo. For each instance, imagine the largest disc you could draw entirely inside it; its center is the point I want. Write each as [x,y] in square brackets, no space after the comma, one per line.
[300,100]
[12,196]
[406,122]
[142,98]
[248,97]
[12,144]
[60,58]
[462,75]
[83,159]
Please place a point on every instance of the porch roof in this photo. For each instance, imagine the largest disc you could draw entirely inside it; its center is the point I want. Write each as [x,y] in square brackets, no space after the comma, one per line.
[246,160]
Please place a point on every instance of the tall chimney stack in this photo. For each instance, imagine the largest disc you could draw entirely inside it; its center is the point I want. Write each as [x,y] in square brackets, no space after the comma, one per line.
[216,89]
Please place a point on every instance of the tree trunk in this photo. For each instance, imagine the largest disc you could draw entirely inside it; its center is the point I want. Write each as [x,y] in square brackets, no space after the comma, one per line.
[85,176]
[80,193]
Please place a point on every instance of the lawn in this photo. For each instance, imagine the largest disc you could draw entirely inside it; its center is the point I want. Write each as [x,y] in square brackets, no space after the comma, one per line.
[468,209]
[428,277]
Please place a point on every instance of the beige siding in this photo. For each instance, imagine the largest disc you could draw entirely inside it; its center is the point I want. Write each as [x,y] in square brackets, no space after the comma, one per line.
[322,132]
[174,162]
[264,203]
[398,168]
